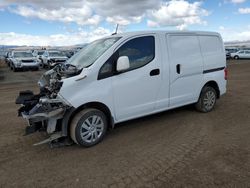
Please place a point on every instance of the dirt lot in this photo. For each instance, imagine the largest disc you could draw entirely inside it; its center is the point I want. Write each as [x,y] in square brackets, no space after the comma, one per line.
[178,148]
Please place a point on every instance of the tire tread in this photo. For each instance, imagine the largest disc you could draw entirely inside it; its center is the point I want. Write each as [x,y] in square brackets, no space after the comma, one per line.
[199,106]
[75,121]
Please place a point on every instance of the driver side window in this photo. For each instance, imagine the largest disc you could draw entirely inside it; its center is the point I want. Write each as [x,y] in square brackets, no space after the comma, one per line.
[140,51]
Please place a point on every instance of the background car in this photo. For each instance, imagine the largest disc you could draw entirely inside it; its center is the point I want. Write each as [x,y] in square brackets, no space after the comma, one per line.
[8,58]
[241,54]
[38,54]
[227,54]
[229,51]
[69,53]
[20,60]
[51,58]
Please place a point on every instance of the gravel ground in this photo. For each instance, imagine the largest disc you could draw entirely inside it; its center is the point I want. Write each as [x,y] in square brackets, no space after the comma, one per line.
[177,148]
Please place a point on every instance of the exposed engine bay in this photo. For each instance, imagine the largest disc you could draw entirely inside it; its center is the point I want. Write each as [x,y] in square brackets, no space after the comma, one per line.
[45,111]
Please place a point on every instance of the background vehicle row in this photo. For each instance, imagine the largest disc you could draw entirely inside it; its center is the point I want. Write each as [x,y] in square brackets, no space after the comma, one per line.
[28,59]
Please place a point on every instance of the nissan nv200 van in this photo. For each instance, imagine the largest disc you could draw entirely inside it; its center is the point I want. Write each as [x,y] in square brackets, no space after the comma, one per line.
[123,77]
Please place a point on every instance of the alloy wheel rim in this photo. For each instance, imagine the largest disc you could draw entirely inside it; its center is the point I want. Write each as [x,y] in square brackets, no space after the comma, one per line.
[92,129]
[209,100]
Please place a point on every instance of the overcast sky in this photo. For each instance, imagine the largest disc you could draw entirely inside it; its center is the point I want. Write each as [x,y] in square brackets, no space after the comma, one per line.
[60,22]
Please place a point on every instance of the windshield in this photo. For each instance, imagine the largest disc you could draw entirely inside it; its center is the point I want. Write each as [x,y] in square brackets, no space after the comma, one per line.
[55,54]
[90,53]
[40,53]
[23,54]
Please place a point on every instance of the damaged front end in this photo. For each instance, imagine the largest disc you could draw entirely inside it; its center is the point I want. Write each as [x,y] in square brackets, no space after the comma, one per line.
[45,111]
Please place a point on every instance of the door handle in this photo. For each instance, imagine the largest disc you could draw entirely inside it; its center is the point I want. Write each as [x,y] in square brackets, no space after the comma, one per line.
[178,68]
[154,72]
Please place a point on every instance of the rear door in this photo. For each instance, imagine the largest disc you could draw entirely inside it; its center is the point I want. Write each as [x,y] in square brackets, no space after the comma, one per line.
[245,55]
[186,68]
[241,54]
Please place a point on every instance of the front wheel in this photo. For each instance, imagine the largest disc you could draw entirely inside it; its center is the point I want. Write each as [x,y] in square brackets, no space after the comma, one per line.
[236,57]
[88,127]
[207,99]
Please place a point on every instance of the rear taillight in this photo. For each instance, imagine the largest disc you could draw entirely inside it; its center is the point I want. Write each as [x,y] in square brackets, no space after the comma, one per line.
[225,73]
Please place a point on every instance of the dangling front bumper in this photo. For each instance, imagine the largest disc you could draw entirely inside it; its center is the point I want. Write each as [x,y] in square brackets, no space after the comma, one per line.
[42,114]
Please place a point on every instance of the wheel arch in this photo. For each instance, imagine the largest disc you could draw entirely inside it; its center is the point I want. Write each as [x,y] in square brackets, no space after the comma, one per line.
[70,113]
[236,57]
[214,85]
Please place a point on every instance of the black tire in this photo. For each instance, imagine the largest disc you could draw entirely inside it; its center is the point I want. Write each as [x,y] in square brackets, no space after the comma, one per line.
[207,99]
[14,69]
[236,57]
[79,133]
[40,65]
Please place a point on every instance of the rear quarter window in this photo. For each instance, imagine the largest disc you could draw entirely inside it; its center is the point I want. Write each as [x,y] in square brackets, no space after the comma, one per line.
[211,44]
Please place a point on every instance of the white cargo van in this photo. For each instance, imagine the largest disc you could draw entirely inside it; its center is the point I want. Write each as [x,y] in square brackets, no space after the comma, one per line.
[126,76]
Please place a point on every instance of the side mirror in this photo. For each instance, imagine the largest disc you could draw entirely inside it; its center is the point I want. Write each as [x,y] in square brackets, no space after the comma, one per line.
[122,63]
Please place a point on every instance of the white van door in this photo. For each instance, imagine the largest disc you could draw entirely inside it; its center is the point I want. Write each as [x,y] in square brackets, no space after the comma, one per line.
[135,90]
[186,68]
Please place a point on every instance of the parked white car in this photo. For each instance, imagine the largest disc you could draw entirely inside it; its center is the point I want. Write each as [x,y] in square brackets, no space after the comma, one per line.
[8,58]
[241,54]
[38,54]
[20,60]
[126,76]
[51,58]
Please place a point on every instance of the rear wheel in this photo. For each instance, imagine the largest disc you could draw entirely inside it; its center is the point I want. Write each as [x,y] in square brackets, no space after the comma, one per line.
[236,57]
[207,99]
[88,127]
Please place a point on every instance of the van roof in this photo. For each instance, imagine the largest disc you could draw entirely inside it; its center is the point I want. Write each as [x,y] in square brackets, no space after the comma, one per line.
[166,32]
